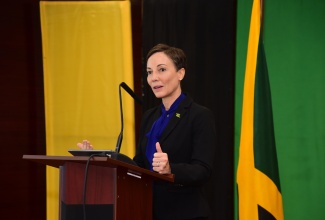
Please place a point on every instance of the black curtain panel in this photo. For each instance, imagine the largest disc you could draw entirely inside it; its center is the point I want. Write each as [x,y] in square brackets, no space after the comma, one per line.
[205,30]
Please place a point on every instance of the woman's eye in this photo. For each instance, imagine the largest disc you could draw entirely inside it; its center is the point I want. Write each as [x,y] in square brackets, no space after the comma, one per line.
[149,72]
[162,69]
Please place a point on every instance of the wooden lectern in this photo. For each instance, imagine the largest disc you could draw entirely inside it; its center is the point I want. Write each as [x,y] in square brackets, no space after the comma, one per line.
[115,190]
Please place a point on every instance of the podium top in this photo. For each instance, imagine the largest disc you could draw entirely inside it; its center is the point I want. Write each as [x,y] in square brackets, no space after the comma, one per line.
[57,161]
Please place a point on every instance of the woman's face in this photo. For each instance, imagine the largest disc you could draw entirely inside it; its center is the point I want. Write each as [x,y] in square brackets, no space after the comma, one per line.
[163,78]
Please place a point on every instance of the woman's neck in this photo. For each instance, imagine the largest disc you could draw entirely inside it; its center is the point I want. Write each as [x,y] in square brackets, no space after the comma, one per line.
[168,101]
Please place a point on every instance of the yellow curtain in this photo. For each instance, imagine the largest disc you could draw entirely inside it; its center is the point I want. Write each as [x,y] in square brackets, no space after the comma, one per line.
[87,53]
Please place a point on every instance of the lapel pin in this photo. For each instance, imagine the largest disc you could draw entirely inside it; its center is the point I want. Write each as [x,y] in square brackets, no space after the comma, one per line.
[178,115]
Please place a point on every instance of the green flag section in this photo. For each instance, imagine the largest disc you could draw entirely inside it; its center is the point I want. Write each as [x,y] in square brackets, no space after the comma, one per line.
[87,53]
[259,192]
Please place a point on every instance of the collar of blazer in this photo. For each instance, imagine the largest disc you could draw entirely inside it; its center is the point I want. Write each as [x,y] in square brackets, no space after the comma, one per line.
[180,112]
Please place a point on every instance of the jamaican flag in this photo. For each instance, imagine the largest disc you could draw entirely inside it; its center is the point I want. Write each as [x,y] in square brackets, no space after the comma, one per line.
[259,192]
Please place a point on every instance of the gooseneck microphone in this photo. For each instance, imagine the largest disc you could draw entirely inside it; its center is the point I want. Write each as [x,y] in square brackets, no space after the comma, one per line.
[136,98]
[131,93]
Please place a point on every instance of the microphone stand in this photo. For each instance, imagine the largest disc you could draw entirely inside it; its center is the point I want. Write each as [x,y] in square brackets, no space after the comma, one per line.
[120,137]
[117,154]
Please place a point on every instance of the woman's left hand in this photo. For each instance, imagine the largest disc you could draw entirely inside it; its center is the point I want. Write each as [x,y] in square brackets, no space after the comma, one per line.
[160,161]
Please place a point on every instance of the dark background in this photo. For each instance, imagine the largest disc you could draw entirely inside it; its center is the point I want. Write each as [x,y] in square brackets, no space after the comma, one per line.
[204,29]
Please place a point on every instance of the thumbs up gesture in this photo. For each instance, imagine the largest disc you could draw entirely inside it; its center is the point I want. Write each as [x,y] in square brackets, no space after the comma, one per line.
[160,161]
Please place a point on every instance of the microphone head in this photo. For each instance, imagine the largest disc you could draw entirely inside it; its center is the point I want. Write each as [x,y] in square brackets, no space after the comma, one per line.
[131,93]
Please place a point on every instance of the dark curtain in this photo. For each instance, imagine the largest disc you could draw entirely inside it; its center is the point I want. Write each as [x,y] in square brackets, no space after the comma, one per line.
[205,30]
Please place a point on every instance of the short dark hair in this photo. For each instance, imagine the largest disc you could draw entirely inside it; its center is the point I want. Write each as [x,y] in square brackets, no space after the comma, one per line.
[177,55]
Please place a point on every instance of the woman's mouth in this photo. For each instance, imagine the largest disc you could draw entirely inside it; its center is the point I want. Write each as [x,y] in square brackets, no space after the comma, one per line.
[156,87]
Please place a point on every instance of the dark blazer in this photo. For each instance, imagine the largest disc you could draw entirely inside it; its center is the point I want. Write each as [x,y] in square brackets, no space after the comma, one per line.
[189,139]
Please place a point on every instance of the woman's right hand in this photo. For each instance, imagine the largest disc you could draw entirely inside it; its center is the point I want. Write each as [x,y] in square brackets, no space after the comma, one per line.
[85,145]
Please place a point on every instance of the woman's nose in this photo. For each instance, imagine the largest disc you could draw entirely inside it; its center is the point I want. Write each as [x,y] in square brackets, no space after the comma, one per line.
[154,76]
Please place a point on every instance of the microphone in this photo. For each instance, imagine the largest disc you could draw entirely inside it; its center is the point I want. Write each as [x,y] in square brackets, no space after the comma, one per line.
[131,93]
[135,97]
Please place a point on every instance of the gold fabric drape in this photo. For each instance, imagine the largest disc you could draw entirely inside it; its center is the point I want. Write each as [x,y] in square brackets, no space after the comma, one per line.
[87,53]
